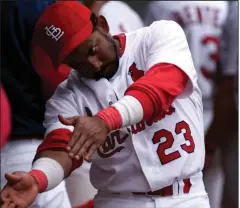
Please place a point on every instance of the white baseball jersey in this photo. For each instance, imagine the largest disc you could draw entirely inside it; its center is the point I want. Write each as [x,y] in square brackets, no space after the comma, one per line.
[202,22]
[147,156]
[120,17]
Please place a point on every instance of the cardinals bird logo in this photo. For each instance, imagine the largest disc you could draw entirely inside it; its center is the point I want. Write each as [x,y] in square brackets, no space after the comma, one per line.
[135,73]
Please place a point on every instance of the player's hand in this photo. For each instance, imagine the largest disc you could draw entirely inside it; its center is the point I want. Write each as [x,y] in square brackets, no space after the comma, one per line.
[89,133]
[20,191]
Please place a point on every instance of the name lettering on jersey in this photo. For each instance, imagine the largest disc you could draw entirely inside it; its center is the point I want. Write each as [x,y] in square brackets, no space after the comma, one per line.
[54,32]
[134,129]
[197,15]
[135,73]
[109,147]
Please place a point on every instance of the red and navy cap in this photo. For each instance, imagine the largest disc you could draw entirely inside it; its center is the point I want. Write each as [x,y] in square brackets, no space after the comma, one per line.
[61,28]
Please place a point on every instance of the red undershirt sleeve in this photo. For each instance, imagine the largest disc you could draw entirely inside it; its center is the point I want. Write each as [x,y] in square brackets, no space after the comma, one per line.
[158,88]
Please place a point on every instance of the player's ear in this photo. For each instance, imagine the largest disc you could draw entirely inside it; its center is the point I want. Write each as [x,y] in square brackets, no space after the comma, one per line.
[102,23]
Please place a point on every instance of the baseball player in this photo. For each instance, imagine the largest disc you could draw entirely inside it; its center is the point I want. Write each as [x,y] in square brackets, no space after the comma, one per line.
[22,85]
[131,106]
[224,128]
[203,23]
[118,23]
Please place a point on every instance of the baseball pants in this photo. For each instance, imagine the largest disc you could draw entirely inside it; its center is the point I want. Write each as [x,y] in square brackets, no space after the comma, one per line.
[197,198]
[18,156]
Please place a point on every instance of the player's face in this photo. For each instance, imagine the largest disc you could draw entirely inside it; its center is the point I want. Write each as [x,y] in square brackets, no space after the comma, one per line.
[97,57]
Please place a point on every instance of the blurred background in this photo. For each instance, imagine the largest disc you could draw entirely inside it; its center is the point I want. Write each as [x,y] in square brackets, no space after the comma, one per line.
[211,28]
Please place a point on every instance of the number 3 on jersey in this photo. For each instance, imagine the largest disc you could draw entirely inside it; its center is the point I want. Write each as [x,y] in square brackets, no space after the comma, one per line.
[163,133]
[212,44]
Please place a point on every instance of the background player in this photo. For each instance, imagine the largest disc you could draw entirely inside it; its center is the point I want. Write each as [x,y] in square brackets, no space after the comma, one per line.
[166,106]
[223,131]
[203,23]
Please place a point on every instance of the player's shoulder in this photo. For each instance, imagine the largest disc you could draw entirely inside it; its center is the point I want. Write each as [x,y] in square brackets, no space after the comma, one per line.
[163,28]
[157,31]
[164,24]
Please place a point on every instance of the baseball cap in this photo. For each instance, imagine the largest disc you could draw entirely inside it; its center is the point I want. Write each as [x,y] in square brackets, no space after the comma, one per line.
[61,28]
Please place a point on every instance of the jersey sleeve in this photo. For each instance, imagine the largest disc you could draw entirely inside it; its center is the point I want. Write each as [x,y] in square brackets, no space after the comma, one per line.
[229,50]
[166,43]
[63,102]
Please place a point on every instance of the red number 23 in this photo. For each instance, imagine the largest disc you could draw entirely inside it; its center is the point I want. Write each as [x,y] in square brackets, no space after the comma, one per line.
[163,133]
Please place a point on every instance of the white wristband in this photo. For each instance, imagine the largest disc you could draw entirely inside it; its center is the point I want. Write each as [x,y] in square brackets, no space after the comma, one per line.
[130,109]
[52,169]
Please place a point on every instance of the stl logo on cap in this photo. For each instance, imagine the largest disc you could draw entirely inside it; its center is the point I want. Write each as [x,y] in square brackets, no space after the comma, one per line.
[54,32]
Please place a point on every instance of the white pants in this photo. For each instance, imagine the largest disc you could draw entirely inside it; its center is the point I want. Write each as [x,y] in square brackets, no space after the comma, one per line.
[188,201]
[18,156]
[196,198]
[79,187]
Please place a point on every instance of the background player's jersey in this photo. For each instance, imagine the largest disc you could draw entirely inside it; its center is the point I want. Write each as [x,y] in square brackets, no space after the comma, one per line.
[202,22]
[120,17]
[149,155]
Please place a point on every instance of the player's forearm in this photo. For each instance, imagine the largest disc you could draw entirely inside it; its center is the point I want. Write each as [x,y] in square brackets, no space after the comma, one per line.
[148,98]
[61,156]
[50,167]
[52,162]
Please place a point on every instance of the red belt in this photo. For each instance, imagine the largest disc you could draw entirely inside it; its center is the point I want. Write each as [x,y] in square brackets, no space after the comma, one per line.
[168,190]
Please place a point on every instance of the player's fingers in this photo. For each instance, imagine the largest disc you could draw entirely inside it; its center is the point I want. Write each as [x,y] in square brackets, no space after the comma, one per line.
[4,195]
[71,121]
[91,151]
[12,205]
[12,178]
[84,149]
[74,139]
[5,203]
[77,146]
